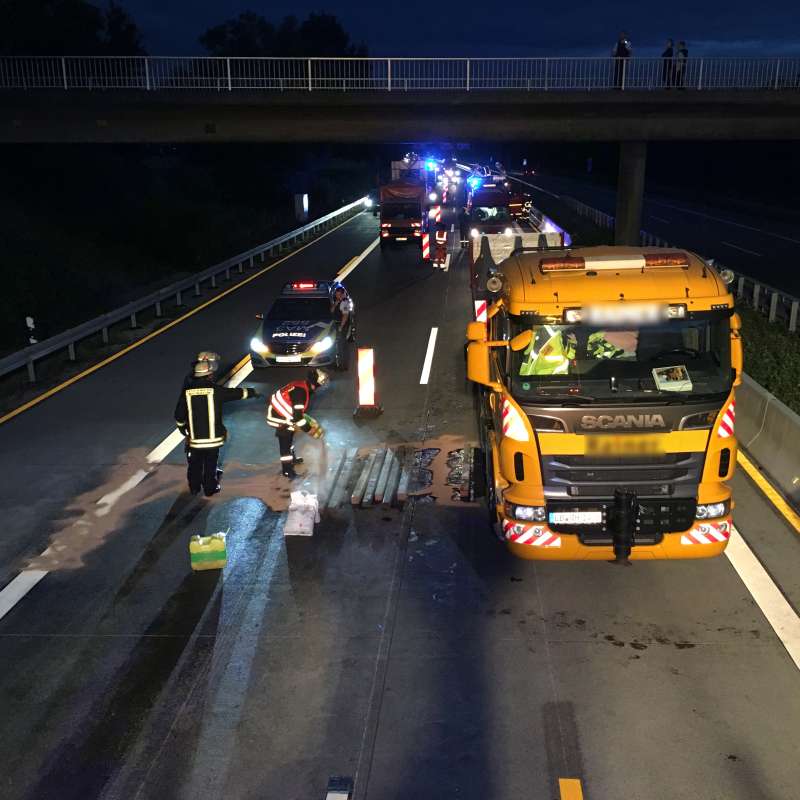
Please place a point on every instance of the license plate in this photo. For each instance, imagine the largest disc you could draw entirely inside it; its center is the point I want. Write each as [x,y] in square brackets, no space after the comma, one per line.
[610,445]
[288,359]
[576,517]
[401,239]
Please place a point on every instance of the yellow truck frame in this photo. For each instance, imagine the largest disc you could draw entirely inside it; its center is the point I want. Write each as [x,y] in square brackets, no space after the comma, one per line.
[689,448]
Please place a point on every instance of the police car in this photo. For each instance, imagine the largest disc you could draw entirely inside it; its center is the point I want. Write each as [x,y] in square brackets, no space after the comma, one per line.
[299,328]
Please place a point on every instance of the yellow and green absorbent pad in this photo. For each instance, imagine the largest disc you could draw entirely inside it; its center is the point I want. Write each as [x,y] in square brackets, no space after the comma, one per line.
[208,552]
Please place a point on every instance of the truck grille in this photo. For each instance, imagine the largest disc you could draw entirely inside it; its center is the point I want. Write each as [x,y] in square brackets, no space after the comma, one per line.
[668,475]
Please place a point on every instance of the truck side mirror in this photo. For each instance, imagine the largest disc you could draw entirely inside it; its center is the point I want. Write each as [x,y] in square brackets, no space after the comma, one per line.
[476,332]
[521,340]
[737,356]
[478,365]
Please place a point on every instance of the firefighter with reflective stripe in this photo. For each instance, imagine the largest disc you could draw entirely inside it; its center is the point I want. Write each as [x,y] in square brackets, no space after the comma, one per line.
[198,415]
[287,413]
[440,244]
[204,355]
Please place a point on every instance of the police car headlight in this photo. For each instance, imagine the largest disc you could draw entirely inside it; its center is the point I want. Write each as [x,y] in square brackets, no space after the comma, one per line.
[258,346]
[322,345]
[712,510]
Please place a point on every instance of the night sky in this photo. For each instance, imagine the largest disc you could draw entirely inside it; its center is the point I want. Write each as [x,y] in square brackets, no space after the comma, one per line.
[483,28]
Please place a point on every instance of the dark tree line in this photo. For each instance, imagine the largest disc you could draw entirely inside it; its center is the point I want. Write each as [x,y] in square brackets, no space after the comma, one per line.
[79,27]
[250,34]
[67,27]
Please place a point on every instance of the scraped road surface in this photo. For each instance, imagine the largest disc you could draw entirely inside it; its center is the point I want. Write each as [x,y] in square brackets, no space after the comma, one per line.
[405,649]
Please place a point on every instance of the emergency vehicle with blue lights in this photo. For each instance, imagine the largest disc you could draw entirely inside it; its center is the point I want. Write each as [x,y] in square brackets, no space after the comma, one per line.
[603,372]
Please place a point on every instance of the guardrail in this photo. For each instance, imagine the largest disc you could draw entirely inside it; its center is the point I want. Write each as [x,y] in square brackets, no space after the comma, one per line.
[777,305]
[395,74]
[69,338]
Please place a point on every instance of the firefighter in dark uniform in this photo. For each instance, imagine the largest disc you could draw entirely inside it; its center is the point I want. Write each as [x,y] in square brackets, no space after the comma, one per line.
[286,412]
[342,311]
[198,415]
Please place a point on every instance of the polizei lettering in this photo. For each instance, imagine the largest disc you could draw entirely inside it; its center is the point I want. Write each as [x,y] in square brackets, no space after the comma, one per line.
[610,421]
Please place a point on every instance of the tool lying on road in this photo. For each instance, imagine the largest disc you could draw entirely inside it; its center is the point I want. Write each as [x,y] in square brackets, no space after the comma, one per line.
[208,552]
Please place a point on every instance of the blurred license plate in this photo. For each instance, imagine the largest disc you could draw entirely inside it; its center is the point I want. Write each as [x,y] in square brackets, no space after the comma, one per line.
[402,238]
[288,359]
[624,445]
[576,517]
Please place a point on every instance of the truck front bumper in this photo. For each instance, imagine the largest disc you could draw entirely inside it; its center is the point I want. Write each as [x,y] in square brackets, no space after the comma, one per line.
[529,540]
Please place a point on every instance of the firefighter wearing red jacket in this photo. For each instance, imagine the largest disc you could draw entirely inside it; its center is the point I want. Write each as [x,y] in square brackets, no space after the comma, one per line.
[286,412]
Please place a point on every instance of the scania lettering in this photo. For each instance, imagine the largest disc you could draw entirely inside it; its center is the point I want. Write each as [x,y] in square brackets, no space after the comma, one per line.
[606,380]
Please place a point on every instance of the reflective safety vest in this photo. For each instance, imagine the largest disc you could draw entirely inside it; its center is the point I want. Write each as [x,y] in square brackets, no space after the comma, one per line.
[555,354]
[441,237]
[287,406]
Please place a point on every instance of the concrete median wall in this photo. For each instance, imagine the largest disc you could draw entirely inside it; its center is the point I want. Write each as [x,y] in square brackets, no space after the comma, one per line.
[770,433]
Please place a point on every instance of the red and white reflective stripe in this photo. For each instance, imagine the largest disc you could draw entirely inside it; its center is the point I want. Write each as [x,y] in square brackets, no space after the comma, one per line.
[438,211]
[533,535]
[708,533]
[278,402]
[480,311]
[513,425]
[726,424]
[426,245]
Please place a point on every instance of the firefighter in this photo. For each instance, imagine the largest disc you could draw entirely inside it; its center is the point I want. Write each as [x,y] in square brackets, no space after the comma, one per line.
[342,310]
[198,415]
[204,355]
[440,245]
[286,413]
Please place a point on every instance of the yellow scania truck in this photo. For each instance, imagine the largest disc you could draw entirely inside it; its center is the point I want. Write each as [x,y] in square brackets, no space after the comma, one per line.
[606,383]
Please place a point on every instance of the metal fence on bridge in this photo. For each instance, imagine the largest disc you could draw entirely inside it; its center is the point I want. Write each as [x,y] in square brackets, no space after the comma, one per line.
[395,74]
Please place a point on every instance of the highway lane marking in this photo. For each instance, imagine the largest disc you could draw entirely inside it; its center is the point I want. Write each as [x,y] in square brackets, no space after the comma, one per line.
[570,789]
[725,221]
[426,366]
[769,598]
[771,493]
[18,588]
[660,219]
[128,348]
[743,249]
[356,260]
[28,578]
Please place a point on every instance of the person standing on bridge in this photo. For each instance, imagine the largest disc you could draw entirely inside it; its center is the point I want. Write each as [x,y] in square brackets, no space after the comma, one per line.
[198,415]
[667,64]
[287,412]
[621,53]
[681,64]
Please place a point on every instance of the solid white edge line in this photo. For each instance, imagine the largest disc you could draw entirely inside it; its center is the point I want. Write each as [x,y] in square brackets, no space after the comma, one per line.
[426,367]
[769,598]
[743,249]
[356,260]
[18,588]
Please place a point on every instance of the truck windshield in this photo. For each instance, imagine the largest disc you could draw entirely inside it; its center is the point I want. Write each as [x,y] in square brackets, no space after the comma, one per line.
[401,211]
[674,359]
[490,215]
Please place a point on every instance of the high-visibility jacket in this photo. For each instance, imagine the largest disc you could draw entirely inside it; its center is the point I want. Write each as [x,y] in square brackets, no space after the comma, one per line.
[198,413]
[287,406]
[555,354]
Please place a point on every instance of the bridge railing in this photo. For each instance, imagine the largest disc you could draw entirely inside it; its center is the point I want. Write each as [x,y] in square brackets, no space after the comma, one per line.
[395,74]
[170,294]
[776,305]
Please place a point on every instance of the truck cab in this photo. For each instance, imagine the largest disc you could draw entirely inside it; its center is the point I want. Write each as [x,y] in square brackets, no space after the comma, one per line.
[489,211]
[608,372]
[402,212]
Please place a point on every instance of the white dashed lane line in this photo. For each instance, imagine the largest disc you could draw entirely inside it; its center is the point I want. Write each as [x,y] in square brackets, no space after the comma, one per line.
[426,366]
[743,249]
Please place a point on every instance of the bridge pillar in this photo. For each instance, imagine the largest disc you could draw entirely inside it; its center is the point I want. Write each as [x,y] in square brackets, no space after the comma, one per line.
[630,192]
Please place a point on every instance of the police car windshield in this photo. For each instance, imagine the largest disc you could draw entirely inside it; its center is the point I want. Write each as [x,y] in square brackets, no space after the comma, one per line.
[301,308]
[675,359]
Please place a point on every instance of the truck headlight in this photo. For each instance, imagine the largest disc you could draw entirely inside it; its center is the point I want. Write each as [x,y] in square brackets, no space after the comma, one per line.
[526,513]
[368,203]
[712,510]
[508,232]
[474,233]
[322,345]
[257,346]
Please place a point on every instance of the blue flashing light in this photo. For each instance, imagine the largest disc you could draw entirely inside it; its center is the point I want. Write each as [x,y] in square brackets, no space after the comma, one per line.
[430,165]
[474,183]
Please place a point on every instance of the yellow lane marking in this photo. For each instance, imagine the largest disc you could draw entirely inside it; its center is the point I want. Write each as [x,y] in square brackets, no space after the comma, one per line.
[125,350]
[356,260]
[570,789]
[772,494]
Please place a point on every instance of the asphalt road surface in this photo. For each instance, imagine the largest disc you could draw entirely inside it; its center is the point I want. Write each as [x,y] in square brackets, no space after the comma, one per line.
[763,248]
[405,649]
